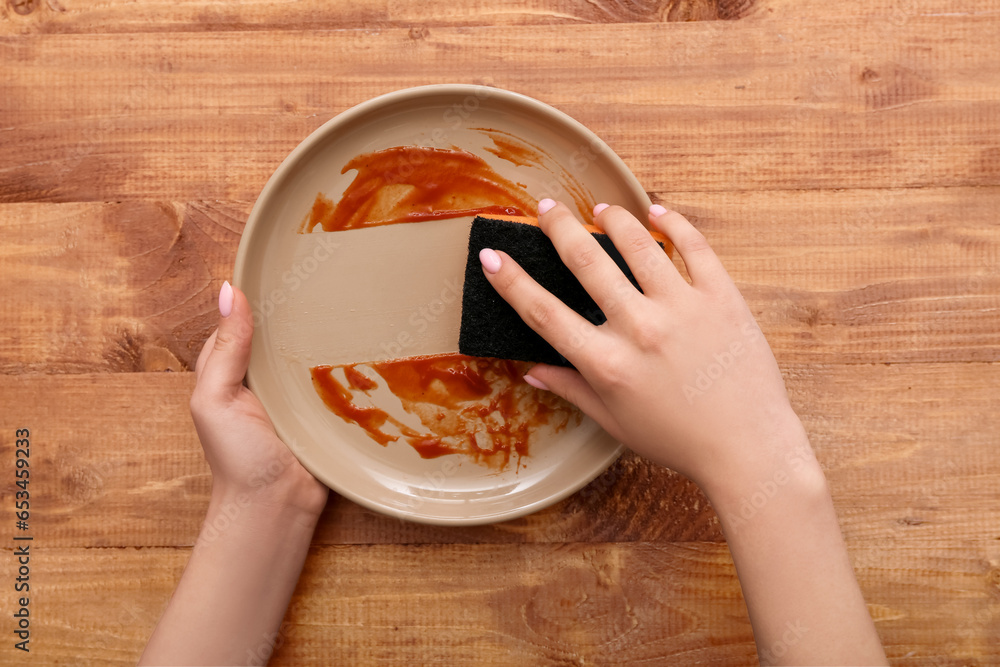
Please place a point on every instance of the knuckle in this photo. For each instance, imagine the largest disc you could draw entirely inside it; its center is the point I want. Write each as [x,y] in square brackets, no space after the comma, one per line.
[647,336]
[619,297]
[228,340]
[695,242]
[224,340]
[540,315]
[197,403]
[205,400]
[506,282]
[612,369]
[584,255]
[636,243]
[651,264]
[570,395]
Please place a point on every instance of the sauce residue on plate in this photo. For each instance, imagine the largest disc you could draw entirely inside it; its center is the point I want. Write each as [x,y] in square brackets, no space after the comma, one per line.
[476,406]
[479,407]
[521,153]
[416,183]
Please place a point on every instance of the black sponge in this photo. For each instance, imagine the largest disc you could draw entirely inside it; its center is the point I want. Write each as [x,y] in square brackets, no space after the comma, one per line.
[490,326]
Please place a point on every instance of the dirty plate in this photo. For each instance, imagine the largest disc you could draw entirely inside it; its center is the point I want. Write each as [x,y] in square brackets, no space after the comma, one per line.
[377,293]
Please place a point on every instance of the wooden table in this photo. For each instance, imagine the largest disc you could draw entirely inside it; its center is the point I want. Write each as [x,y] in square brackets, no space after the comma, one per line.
[842,158]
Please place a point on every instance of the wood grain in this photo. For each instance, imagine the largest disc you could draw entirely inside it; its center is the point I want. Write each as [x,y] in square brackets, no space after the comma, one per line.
[71,16]
[113,287]
[727,106]
[843,159]
[909,451]
[516,604]
[862,276]
[95,16]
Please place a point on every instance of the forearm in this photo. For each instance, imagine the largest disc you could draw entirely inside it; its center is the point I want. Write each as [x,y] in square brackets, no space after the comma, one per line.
[801,592]
[235,590]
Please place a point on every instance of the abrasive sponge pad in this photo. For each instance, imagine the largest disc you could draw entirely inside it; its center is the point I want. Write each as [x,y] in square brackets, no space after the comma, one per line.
[490,326]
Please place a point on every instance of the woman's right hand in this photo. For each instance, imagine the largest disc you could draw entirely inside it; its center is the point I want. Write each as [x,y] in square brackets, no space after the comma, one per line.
[680,372]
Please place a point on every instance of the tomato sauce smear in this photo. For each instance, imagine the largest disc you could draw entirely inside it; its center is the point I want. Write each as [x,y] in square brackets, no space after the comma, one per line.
[473,406]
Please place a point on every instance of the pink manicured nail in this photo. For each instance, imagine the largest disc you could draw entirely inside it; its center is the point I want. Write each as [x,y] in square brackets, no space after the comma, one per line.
[537,384]
[226,299]
[545,205]
[490,260]
[656,210]
[599,208]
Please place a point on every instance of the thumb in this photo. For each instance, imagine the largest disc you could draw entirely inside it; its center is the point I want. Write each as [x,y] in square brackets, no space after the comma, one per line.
[568,384]
[229,357]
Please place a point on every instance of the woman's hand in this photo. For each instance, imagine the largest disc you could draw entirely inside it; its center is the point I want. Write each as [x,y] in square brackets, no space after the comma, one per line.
[229,603]
[680,373]
[242,449]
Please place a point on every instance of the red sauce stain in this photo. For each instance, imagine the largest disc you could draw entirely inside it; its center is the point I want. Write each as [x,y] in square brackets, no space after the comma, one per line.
[474,406]
[519,152]
[340,400]
[357,380]
[416,183]
[513,151]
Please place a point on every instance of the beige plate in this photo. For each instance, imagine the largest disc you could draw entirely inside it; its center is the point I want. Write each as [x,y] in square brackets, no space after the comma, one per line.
[370,294]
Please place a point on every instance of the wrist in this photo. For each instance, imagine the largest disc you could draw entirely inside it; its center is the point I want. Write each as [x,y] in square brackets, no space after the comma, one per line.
[280,501]
[781,465]
[243,518]
[787,498]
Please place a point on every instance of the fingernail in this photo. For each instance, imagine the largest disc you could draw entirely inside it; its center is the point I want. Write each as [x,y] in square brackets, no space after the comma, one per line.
[226,299]
[545,205]
[537,384]
[599,208]
[656,210]
[490,260]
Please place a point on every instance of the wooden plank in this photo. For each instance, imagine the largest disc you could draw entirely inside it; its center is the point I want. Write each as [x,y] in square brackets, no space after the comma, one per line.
[862,276]
[512,605]
[117,287]
[705,106]
[94,16]
[910,453]
[194,16]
